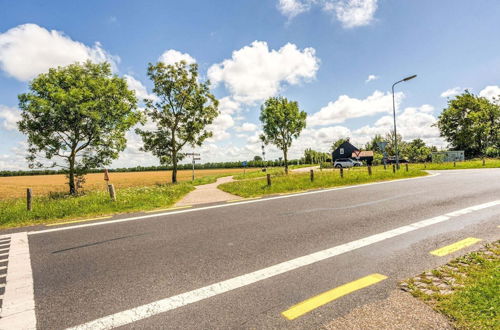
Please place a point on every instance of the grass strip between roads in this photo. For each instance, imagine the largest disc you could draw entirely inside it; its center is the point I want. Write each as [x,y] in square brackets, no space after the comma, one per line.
[474,301]
[51,209]
[322,179]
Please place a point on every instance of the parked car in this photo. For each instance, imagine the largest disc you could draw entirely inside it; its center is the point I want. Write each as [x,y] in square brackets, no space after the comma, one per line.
[346,163]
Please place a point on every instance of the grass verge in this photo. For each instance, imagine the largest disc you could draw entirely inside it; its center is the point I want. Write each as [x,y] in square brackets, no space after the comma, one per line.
[466,289]
[47,209]
[468,164]
[322,179]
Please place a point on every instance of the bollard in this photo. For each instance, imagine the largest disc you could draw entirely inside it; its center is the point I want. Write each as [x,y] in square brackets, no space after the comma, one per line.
[341,172]
[369,170]
[112,194]
[29,197]
[269,180]
[406,165]
[393,168]
[312,175]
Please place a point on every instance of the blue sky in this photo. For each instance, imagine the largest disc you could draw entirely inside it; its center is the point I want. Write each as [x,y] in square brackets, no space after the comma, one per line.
[317,52]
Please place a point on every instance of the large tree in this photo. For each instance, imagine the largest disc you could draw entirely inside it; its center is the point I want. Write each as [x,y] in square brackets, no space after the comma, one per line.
[181,112]
[416,151]
[282,121]
[471,123]
[76,118]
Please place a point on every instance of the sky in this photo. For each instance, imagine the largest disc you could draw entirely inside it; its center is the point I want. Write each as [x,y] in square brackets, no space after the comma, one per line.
[336,58]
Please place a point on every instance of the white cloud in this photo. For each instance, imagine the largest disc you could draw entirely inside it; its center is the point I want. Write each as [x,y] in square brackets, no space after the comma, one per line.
[452,92]
[172,56]
[371,78]
[292,8]
[246,127]
[28,50]
[228,105]
[491,92]
[352,13]
[255,73]
[412,123]
[220,126]
[10,117]
[140,90]
[346,107]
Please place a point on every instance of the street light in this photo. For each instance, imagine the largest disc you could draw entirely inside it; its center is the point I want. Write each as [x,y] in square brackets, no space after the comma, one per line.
[394,114]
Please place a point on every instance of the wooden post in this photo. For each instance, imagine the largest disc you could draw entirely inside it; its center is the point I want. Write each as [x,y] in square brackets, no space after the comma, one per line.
[341,172]
[369,170]
[269,180]
[406,165]
[484,162]
[454,164]
[29,197]
[312,175]
[385,167]
[425,164]
[393,168]
[112,193]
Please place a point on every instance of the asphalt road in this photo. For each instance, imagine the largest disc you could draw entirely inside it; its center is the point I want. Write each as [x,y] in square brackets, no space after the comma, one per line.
[88,272]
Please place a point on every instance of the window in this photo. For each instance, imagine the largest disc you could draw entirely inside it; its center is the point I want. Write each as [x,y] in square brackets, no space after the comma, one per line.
[341,151]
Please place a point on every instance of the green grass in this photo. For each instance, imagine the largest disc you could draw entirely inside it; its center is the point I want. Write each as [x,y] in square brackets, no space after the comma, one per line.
[259,174]
[475,163]
[476,305]
[47,209]
[322,179]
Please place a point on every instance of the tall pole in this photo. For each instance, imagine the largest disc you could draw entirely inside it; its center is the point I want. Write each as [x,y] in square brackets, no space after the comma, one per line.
[193,168]
[396,150]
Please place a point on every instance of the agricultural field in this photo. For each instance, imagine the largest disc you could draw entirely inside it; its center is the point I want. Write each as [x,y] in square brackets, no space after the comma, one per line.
[15,186]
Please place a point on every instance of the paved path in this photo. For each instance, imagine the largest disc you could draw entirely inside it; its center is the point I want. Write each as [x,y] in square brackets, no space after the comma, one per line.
[208,193]
[248,264]
[305,169]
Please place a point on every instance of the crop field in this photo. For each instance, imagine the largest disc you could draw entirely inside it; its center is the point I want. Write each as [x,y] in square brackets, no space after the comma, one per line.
[15,186]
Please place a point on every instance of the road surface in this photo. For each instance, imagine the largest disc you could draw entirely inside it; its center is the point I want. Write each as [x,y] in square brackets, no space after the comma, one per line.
[246,264]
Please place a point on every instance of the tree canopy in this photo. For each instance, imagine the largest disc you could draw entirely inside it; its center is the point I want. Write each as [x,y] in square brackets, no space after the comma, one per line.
[282,121]
[181,112]
[471,123]
[337,143]
[76,118]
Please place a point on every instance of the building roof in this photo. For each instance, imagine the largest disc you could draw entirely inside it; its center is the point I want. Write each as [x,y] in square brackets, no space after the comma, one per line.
[364,153]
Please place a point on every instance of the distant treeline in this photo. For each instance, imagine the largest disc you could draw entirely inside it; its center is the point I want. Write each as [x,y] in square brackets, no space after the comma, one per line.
[252,163]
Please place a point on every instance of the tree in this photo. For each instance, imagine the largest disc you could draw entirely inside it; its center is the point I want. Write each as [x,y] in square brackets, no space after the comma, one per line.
[282,121]
[76,117]
[372,144]
[471,123]
[416,151]
[390,148]
[181,112]
[257,158]
[337,143]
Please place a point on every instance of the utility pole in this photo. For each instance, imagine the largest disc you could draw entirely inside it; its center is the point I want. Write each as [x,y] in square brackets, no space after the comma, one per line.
[193,161]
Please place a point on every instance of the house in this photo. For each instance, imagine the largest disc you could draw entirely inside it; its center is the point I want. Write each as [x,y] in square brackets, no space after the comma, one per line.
[345,150]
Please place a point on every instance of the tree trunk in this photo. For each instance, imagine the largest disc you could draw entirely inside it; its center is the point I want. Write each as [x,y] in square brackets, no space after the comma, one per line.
[174,167]
[286,160]
[71,176]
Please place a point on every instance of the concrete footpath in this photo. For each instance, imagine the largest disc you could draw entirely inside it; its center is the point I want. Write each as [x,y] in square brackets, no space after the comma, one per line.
[208,193]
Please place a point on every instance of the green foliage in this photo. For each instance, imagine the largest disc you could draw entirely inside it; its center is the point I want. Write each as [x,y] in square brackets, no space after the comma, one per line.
[322,179]
[372,145]
[282,121]
[76,118]
[181,112]
[315,157]
[471,123]
[416,151]
[257,158]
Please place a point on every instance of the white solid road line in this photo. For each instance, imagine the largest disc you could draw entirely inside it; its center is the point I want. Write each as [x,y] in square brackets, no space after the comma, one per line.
[18,305]
[167,304]
[149,216]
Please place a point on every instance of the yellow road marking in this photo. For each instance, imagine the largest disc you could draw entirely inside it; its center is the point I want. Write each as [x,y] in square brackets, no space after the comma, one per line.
[83,220]
[242,199]
[170,209]
[455,246]
[324,298]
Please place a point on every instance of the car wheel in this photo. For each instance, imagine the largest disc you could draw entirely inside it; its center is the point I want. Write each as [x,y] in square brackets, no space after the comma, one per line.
[338,166]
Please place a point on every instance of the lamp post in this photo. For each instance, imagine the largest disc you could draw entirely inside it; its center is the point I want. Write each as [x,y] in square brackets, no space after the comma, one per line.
[396,151]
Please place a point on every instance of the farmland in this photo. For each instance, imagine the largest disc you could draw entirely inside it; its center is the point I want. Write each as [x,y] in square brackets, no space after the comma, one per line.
[15,187]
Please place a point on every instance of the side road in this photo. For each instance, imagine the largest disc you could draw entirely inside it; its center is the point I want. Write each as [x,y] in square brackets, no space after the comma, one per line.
[208,193]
